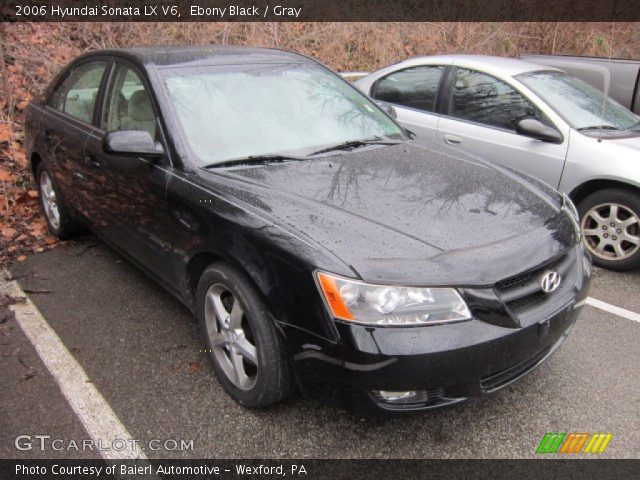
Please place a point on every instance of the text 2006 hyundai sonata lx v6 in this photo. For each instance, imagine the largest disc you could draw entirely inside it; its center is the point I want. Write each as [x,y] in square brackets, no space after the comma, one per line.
[317,243]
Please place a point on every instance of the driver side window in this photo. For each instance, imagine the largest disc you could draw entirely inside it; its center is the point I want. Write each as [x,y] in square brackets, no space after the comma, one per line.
[128,104]
[484,99]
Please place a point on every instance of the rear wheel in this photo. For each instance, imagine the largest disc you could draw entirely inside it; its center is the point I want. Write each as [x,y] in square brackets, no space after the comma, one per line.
[610,222]
[55,212]
[241,338]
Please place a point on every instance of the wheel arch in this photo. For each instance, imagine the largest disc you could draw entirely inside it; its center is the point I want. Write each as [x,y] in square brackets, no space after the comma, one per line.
[193,271]
[35,160]
[201,260]
[585,189]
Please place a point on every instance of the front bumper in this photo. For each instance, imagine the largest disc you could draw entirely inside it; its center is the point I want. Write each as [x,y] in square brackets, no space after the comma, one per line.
[447,363]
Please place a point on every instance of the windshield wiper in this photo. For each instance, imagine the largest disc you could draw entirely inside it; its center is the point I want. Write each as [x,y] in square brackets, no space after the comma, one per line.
[599,127]
[357,143]
[255,160]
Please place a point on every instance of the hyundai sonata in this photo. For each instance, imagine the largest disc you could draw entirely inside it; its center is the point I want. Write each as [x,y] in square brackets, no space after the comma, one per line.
[316,242]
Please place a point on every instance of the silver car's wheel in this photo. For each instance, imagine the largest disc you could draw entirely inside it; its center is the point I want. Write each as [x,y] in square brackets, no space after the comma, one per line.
[230,337]
[49,200]
[612,231]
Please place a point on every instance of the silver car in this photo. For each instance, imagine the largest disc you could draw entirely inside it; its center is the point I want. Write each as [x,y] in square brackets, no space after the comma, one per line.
[536,119]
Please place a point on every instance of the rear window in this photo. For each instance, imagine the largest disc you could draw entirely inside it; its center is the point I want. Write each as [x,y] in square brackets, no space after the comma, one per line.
[77,93]
[415,87]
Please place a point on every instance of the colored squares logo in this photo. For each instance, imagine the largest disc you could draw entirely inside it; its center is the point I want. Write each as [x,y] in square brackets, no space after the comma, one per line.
[574,443]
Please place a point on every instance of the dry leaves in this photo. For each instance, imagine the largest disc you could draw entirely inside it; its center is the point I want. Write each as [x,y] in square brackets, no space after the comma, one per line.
[5,133]
[8,232]
[23,230]
[6,176]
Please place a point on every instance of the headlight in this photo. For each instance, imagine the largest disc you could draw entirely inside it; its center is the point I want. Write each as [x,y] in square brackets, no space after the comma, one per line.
[386,305]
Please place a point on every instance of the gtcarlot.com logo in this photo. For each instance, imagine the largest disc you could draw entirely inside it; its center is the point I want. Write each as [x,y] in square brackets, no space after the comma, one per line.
[46,442]
[574,442]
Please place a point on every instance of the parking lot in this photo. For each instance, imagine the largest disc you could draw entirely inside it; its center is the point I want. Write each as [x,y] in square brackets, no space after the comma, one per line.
[140,350]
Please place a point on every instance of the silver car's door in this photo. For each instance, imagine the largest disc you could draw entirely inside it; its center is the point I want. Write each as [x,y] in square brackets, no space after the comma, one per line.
[482,120]
[412,92]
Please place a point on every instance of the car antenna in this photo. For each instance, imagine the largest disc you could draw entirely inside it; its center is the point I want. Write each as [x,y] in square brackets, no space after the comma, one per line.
[605,85]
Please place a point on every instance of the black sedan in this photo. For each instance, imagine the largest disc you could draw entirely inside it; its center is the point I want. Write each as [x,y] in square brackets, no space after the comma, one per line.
[318,244]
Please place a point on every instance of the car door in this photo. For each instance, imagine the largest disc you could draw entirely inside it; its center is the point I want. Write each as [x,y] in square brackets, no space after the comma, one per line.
[482,116]
[134,216]
[413,92]
[70,111]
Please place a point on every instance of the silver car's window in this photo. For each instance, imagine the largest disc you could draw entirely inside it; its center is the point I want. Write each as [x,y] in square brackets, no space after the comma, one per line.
[76,95]
[128,104]
[484,99]
[580,104]
[236,111]
[415,87]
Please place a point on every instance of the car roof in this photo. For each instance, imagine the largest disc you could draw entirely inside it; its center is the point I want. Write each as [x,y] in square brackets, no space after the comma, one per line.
[501,66]
[194,55]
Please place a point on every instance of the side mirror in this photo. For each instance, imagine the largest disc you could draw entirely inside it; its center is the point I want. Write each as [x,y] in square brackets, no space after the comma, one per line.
[530,127]
[388,109]
[132,142]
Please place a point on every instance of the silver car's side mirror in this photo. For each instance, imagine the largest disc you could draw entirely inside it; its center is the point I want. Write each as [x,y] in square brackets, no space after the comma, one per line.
[530,127]
[388,109]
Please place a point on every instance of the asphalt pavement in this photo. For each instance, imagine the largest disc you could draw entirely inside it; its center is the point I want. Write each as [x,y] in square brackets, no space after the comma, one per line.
[140,348]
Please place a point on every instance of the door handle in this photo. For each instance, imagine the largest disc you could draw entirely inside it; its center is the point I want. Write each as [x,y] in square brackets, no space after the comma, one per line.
[91,160]
[452,139]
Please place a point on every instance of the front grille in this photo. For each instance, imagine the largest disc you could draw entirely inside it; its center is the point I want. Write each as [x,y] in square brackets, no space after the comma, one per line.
[523,292]
[436,394]
[526,302]
[498,380]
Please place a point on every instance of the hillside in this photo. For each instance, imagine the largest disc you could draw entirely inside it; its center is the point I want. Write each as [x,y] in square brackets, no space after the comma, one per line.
[33,53]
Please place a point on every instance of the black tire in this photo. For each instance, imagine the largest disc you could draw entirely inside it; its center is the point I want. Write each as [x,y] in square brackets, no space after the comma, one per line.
[66,226]
[272,381]
[628,202]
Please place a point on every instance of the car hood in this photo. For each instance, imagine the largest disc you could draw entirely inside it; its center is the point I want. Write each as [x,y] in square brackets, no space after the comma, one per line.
[409,213]
[616,142]
[632,143]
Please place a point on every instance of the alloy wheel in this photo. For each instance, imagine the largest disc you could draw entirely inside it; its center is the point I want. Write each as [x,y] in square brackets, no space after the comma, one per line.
[611,231]
[230,337]
[49,200]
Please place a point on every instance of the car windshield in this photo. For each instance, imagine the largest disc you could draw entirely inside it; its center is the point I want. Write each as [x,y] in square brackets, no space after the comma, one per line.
[236,112]
[584,107]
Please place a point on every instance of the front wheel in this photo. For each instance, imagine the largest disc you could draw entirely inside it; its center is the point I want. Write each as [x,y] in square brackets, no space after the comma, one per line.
[610,222]
[242,341]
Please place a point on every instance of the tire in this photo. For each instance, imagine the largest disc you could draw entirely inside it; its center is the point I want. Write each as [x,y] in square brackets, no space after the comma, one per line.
[261,377]
[610,223]
[55,213]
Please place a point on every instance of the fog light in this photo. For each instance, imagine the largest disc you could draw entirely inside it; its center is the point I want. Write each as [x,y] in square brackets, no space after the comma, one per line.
[396,396]
[406,397]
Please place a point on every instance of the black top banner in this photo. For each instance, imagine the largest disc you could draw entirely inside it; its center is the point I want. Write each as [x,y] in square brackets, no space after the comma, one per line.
[323,11]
